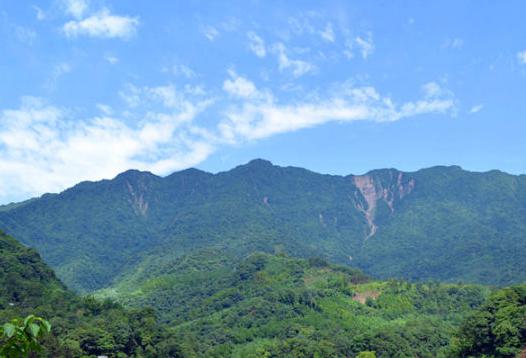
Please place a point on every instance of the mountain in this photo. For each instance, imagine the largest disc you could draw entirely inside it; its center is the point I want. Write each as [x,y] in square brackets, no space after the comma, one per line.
[441,223]
[81,327]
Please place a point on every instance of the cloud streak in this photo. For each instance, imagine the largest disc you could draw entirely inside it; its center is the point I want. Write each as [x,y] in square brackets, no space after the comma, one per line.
[263,116]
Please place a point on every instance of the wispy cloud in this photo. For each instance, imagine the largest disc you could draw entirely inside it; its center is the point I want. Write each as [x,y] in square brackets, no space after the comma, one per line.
[58,71]
[105,109]
[113,60]
[25,34]
[183,70]
[521,57]
[256,44]
[102,24]
[262,117]
[40,14]
[298,67]
[210,32]
[364,44]
[453,43]
[476,108]
[303,23]
[328,33]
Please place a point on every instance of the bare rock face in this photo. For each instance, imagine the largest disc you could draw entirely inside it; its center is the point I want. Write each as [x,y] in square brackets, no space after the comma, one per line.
[136,199]
[373,189]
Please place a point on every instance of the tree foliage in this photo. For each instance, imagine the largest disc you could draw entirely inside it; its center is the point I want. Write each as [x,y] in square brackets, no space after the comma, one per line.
[20,337]
[497,328]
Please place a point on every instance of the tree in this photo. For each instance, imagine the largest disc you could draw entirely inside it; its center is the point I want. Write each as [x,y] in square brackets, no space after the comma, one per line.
[18,338]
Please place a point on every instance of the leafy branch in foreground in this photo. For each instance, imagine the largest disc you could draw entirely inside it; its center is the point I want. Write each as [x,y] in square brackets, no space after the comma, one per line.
[18,338]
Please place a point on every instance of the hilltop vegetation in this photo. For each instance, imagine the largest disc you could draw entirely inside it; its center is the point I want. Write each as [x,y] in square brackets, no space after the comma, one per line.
[276,306]
[441,223]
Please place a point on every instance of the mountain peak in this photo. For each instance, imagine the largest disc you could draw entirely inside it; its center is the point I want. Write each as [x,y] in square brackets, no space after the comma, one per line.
[134,174]
[258,162]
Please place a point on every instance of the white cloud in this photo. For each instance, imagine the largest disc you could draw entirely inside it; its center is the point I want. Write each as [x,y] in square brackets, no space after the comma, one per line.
[40,14]
[432,89]
[113,60]
[210,32]
[453,43]
[102,24]
[49,143]
[521,57]
[298,67]
[256,44]
[239,86]
[365,45]
[76,8]
[328,33]
[183,70]
[105,109]
[476,108]
[261,118]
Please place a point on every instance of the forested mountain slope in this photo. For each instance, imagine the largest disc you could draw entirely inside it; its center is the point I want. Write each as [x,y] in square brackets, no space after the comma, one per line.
[277,306]
[81,327]
[261,306]
[439,223]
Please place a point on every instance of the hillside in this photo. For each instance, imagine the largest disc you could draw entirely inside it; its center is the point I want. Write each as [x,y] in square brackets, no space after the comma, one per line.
[262,306]
[441,223]
[277,306]
[81,327]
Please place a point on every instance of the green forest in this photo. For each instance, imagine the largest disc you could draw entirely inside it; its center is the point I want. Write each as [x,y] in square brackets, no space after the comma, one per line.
[266,305]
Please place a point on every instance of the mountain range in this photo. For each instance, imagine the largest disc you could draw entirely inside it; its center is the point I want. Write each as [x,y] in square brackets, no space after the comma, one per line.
[440,223]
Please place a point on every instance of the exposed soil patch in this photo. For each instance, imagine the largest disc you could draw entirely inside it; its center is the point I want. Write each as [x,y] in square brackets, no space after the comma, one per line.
[363,296]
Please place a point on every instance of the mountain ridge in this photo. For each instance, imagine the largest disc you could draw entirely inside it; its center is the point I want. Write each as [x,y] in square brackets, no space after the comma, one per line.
[15,204]
[417,225]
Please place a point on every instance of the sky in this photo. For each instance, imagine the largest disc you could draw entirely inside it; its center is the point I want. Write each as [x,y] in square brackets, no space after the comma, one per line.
[91,88]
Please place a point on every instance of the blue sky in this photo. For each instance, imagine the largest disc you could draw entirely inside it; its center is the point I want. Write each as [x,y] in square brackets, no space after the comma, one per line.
[90,88]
